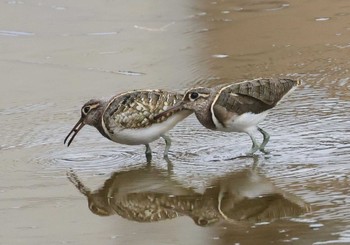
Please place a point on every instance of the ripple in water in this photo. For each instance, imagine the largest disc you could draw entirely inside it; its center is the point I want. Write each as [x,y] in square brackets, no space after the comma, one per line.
[15,33]
[91,160]
[263,6]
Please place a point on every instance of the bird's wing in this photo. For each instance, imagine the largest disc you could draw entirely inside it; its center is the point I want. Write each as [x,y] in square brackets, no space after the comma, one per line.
[137,109]
[253,96]
[268,91]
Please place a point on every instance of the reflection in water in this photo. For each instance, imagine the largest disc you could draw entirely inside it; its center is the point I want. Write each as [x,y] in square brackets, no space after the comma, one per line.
[148,194]
[138,194]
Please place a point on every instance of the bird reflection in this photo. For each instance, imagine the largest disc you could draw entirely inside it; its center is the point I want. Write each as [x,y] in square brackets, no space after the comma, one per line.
[149,194]
[138,194]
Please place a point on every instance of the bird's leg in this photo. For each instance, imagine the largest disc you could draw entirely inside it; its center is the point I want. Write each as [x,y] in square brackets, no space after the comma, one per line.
[255,145]
[266,140]
[167,145]
[148,153]
[220,197]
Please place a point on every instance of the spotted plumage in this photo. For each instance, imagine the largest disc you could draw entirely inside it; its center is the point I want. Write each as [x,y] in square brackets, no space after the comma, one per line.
[237,107]
[128,118]
[137,109]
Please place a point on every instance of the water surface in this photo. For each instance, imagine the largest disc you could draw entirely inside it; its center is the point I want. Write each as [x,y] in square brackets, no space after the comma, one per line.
[57,55]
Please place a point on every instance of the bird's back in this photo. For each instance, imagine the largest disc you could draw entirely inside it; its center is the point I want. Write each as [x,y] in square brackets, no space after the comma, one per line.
[254,96]
[136,109]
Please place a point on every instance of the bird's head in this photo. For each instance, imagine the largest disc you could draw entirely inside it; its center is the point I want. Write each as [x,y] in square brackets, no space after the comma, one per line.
[195,99]
[90,114]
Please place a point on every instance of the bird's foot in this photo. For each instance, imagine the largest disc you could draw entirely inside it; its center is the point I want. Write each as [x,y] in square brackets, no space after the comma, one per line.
[264,151]
[148,158]
[166,158]
[252,151]
[148,153]
[170,166]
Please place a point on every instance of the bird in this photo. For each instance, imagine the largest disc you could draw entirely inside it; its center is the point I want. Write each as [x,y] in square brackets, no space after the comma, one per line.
[235,107]
[127,118]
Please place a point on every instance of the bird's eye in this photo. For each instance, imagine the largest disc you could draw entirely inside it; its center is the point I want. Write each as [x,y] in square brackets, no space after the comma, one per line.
[202,222]
[93,208]
[194,95]
[86,109]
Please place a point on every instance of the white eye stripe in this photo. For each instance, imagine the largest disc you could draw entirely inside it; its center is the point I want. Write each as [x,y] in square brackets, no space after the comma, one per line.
[86,109]
[204,95]
[94,106]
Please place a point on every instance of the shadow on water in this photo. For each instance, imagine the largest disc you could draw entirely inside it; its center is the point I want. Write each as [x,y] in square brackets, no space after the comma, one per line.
[150,194]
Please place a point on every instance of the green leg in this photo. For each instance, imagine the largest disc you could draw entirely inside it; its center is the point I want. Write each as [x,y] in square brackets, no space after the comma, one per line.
[255,145]
[167,145]
[266,140]
[148,153]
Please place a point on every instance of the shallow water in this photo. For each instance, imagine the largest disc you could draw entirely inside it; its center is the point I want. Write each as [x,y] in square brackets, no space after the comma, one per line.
[55,55]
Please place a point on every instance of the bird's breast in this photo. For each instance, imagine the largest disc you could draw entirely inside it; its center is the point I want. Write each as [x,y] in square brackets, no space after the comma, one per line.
[240,123]
[119,133]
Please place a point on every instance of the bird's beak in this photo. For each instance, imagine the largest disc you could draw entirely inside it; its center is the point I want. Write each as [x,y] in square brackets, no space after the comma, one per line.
[72,176]
[80,124]
[172,110]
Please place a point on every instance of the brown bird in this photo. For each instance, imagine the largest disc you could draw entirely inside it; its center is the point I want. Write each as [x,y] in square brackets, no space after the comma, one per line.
[237,107]
[127,118]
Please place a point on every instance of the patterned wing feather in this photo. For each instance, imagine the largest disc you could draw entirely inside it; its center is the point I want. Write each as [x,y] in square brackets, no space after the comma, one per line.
[137,109]
[253,96]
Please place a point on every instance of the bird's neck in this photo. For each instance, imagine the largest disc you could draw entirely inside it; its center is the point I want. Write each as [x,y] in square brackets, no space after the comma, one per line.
[98,123]
[204,114]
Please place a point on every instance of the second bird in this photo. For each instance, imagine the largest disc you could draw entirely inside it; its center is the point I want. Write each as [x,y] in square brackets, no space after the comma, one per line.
[237,107]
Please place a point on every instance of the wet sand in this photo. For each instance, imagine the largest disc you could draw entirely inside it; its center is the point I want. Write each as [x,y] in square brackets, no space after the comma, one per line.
[57,55]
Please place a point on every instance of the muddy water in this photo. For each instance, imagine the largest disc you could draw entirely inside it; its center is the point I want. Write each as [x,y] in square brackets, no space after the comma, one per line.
[55,55]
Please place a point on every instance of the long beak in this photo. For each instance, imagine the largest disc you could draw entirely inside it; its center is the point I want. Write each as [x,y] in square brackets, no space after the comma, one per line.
[80,124]
[170,111]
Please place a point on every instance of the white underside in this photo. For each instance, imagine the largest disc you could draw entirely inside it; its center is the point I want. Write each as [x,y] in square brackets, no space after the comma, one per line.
[246,122]
[138,136]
